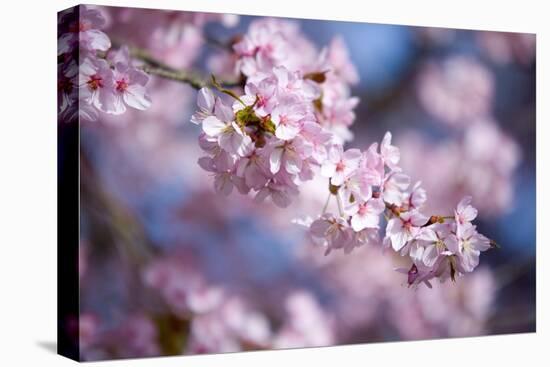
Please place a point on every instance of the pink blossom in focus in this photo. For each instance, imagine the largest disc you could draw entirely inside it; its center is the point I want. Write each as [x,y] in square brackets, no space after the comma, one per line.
[96,83]
[129,85]
[394,186]
[205,102]
[365,214]
[471,243]
[464,211]
[339,164]
[331,232]
[405,228]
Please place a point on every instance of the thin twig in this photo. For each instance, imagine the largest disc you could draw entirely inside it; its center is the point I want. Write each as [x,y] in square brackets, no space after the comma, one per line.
[179,76]
[159,68]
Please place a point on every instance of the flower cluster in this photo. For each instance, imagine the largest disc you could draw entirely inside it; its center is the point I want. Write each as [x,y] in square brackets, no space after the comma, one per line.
[274,122]
[335,107]
[363,183]
[441,247]
[280,133]
[91,76]
[268,141]
[295,106]
[273,43]
[287,124]
[369,184]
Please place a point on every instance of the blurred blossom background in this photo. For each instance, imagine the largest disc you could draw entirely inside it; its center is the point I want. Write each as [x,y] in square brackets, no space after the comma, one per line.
[169,267]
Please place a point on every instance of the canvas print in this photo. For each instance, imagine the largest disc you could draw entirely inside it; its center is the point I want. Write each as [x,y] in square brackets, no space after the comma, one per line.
[234,183]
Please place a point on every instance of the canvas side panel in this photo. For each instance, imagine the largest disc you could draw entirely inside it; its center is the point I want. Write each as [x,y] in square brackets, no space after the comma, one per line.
[68,185]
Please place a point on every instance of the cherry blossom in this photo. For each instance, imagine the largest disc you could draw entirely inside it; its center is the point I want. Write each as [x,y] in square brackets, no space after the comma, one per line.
[289,155]
[365,214]
[417,197]
[339,164]
[280,194]
[339,61]
[129,85]
[85,32]
[97,84]
[205,102]
[471,245]
[332,232]
[272,128]
[436,240]
[222,126]
[285,147]
[107,80]
[405,228]
[272,42]
[287,120]
[465,212]
[252,167]
[394,185]
[358,186]
[376,186]
[389,153]
[287,123]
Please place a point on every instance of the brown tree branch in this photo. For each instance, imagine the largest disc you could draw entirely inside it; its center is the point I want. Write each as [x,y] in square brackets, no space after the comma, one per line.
[159,68]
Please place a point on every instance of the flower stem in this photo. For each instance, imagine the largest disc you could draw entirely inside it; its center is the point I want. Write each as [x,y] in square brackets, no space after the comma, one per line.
[340,206]
[326,203]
